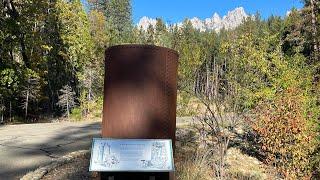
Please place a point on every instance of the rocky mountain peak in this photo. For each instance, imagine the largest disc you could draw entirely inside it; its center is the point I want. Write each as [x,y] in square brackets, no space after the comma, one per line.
[234,18]
[230,21]
[145,22]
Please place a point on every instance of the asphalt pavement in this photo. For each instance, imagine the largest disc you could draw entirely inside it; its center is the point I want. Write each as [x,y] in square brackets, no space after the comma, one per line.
[25,147]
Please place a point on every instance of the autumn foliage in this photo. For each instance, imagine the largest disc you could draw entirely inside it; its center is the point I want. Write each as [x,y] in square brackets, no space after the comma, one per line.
[286,137]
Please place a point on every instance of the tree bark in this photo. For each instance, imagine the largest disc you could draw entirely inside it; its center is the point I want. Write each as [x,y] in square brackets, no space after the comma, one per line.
[314,30]
[24,51]
[10,109]
[207,79]
[68,114]
[26,110]
[1,110]
[216,81]
[90,96]
[1,117]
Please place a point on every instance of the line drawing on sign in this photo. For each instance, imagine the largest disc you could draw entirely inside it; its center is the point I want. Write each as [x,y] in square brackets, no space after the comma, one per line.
[105,157]
[158,157]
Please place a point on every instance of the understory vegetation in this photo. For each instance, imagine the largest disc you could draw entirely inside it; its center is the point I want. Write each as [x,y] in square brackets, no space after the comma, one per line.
[255,87]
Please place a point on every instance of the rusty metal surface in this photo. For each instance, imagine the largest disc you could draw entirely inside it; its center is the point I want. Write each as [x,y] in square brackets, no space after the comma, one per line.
[140,92]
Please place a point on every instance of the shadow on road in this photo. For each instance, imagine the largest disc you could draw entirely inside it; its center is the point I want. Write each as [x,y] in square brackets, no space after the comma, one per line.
[18,160]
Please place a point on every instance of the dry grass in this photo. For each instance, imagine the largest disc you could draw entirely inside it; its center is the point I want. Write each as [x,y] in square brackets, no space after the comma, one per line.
[194,163]
[242,167]
[194,168]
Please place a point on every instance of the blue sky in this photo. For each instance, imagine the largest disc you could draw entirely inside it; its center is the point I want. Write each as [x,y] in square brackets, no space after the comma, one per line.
[177,10]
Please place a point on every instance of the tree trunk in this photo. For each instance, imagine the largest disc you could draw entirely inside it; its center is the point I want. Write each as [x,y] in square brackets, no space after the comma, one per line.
[90,96]
[10,109]
[24,52]
[51,92]
[1,118]
[221,165]
[314,30]
[11,55]
[216,88]
[207,79]
[68,114]
[26,110]
[2,109]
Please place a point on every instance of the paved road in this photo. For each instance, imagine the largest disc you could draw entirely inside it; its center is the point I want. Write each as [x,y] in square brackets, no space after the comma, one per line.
[25,147]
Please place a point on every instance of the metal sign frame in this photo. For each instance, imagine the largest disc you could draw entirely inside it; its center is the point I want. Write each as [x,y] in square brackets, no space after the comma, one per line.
[111,155]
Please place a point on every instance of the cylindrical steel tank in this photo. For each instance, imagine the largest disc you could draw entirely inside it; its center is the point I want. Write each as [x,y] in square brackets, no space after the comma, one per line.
[140,92]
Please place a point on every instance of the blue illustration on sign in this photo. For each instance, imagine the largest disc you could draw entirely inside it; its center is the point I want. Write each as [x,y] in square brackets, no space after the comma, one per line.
[131,155]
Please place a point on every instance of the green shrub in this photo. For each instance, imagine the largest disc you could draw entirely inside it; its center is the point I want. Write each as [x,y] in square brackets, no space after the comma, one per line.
[76,114]
[187,105]
[97,107]
[91,109]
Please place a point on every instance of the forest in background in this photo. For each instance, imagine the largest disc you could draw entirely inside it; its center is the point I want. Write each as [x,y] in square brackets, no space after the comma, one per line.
[266,71]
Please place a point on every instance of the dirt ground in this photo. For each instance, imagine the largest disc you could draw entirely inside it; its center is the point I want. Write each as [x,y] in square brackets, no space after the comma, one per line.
[78,169]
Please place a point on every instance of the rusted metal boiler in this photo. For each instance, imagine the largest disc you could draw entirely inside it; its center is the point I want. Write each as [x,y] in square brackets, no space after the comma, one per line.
[140,92]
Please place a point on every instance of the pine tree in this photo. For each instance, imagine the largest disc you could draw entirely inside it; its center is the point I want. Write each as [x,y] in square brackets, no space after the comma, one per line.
[161,34]
[67,99]
[98,5]
[150,35]
[118,14]
[292,35]
[29,93]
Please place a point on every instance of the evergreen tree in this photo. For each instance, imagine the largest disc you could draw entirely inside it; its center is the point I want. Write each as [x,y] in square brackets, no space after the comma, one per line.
[118,15]
[66,99]
[150,35]
[293,37]
[29,93]
[162,38]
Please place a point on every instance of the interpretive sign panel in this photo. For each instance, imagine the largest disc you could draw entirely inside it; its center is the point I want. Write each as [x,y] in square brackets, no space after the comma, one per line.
[131,155]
